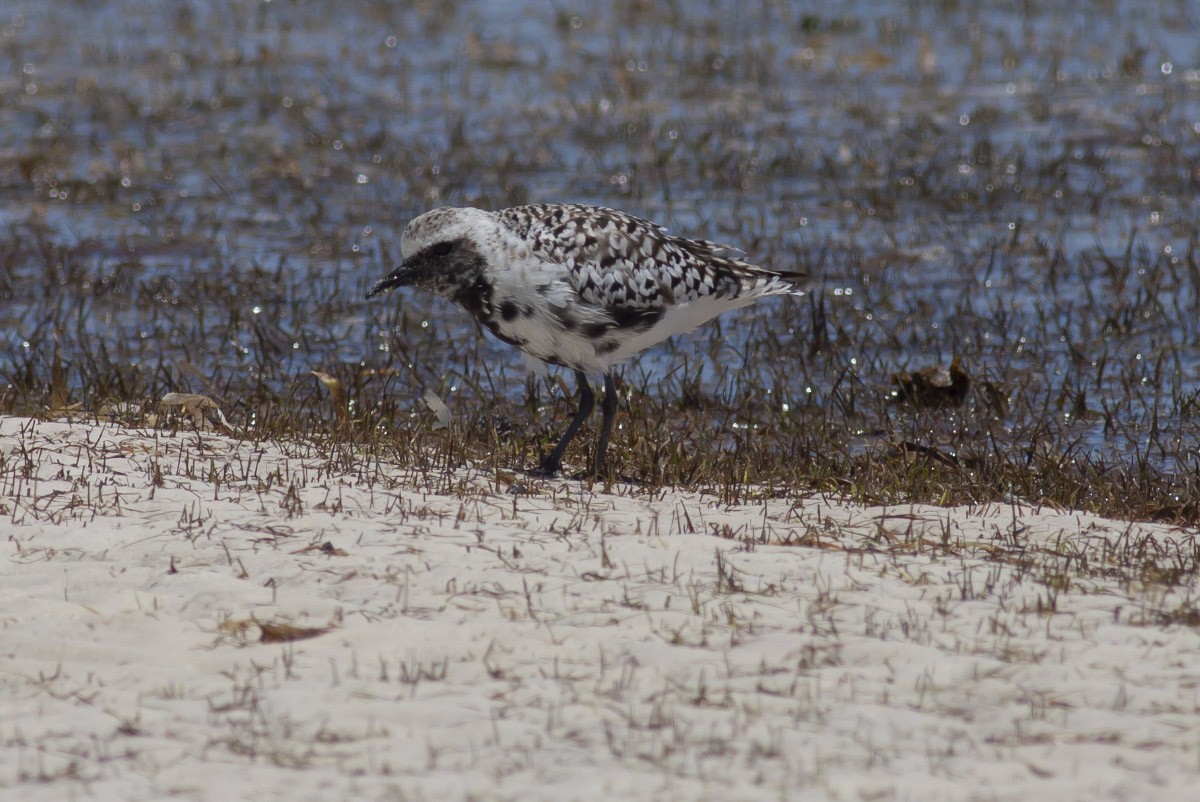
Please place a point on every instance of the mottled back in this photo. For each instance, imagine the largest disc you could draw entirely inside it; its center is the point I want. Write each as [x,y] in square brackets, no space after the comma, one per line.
[614,259]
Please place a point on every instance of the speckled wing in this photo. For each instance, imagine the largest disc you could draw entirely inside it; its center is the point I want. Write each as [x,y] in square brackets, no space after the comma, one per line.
[619,262]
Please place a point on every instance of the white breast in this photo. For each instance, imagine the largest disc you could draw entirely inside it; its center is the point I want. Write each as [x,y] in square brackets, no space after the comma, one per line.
[537,293]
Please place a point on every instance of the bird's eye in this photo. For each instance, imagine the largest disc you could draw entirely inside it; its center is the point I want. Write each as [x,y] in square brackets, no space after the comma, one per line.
[443,248]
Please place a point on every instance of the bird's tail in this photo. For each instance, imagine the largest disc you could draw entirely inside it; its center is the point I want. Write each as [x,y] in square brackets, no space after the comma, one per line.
[758,282]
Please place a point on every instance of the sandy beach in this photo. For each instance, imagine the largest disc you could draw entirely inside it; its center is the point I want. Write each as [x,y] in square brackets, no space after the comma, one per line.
[196,617]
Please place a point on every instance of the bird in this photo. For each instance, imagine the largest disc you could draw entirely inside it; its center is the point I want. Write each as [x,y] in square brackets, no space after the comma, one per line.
[577,286]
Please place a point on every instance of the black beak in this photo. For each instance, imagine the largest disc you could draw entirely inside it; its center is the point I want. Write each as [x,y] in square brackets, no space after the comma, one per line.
[397,278]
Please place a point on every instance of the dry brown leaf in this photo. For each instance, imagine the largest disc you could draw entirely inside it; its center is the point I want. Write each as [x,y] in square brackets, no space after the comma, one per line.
[197,407]
[269,631]
[336,393]
[273,632]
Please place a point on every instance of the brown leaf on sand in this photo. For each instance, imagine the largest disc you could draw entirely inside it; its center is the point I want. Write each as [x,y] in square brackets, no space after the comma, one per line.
[274,632]
[240,629]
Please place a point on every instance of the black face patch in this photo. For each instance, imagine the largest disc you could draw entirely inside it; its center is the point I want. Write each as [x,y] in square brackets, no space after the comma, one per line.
[508,310]
[447,268]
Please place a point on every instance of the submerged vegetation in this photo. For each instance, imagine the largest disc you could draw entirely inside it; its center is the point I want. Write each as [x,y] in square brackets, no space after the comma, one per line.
[195,198]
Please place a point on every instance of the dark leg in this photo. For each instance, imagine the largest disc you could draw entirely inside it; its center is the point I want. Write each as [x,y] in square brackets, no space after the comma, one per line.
[587,401]
[609,408]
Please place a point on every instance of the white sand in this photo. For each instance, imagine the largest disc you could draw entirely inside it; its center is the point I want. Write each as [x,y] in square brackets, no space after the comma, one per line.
[563,645]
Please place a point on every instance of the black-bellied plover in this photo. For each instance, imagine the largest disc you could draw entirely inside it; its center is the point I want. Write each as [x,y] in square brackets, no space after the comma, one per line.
[582,287]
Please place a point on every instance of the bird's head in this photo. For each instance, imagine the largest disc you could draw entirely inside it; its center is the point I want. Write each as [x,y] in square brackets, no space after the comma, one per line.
[443,250]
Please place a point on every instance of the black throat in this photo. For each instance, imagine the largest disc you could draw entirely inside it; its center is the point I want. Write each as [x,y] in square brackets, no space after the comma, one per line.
[475,296]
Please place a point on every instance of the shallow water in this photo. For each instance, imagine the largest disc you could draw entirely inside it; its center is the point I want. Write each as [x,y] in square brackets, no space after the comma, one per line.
[200,194]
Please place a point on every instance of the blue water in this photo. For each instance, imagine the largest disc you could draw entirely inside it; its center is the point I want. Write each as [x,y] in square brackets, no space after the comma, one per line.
[961,180]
